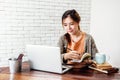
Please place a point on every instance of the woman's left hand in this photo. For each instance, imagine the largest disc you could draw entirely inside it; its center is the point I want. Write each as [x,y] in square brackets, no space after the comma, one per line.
[89,62]
[86,62]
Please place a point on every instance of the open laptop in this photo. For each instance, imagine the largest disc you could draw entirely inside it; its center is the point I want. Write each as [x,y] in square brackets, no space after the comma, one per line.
[46,58]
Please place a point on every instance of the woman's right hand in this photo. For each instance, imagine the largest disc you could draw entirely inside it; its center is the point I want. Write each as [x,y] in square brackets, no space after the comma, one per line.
[71,55]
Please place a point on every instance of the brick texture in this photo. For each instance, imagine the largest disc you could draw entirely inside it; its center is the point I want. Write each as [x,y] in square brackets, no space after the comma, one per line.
[35,22]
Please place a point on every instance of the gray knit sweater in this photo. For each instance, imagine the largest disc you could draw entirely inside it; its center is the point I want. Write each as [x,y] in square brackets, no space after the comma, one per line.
[90,46]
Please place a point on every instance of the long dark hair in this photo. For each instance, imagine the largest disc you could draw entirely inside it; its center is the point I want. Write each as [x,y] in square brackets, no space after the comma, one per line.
[75,16]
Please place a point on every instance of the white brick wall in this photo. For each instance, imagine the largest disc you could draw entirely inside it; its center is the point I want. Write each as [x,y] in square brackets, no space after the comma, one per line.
[35,22]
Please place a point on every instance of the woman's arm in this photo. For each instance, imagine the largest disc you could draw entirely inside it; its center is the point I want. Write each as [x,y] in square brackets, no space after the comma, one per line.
[90,46]
[94,49]
[62,43]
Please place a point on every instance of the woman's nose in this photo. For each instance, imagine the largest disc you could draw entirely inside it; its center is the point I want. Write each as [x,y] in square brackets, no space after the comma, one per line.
[69,27]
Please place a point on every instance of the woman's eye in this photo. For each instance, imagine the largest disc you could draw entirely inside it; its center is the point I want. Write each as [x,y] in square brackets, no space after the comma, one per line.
[71,24]
[65,25]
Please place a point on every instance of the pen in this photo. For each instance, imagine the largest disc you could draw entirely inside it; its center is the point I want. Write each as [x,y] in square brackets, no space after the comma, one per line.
[69,49]
[100,70]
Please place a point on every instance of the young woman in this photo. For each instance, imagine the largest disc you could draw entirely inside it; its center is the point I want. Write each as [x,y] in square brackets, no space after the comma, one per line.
[74,43]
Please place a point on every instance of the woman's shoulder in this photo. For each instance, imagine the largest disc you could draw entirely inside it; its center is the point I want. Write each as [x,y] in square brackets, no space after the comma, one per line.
[63,36]
[88,36]
[63,40]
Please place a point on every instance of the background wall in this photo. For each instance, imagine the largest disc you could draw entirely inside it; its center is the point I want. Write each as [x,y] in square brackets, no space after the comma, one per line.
[35,22]
[105,26]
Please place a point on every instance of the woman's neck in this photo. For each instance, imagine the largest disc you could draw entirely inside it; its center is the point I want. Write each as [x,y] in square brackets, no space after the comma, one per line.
[76,37]
[77,34]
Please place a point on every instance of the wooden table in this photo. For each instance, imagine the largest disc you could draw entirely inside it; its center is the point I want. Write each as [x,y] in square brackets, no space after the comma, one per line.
[74,74]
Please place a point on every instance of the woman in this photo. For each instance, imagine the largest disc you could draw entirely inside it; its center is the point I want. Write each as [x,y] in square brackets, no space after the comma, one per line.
[74,43]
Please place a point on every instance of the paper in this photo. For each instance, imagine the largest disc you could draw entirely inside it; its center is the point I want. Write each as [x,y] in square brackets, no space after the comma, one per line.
[86,55]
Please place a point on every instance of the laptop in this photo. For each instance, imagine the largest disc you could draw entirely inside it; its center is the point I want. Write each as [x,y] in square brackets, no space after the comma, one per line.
[46,58]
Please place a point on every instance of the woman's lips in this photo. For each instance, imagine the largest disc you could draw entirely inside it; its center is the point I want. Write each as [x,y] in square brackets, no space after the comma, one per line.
[70,31]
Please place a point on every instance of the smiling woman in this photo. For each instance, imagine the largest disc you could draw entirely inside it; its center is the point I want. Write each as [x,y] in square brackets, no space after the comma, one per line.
[76,40]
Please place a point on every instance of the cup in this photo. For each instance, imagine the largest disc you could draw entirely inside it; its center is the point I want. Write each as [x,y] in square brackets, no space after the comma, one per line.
[100,58]
[14,65]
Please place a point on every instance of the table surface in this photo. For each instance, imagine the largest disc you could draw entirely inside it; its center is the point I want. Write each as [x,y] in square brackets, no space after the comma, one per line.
[73,74]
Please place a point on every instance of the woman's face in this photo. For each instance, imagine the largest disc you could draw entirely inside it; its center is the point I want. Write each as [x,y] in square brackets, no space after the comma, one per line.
[70,25]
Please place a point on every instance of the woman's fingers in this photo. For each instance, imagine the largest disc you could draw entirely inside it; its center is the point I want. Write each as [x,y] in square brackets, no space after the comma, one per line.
[75,57]
[72,55]
[90,62]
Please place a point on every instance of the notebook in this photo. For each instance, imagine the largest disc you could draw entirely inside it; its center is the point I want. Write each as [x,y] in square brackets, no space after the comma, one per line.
[46,58]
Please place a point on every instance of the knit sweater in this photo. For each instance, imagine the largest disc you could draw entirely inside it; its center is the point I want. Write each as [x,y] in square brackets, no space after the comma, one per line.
[90,46]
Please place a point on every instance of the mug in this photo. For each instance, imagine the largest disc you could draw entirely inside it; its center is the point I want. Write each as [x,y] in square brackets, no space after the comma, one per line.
[100,58]
[14,65]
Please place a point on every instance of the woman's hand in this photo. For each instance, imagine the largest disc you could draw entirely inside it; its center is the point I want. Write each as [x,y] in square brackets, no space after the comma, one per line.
[89,62]
[86,62]
[71,55]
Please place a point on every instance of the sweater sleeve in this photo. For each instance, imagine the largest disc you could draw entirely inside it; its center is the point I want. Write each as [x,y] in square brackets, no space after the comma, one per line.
[90,46]
[62,44]
[94,49]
